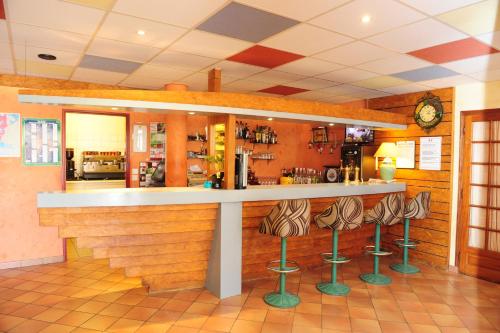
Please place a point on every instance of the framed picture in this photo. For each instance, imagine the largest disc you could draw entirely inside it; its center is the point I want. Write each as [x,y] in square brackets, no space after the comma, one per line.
[320,135]
[41,141]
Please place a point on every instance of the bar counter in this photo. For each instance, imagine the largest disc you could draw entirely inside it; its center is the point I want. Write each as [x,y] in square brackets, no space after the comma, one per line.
[177,238]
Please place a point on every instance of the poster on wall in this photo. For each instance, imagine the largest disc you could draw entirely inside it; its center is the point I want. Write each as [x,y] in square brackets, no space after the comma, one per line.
[430,153]
[140,138]
[10,135]
[41,141]
[157,142]
[406,155]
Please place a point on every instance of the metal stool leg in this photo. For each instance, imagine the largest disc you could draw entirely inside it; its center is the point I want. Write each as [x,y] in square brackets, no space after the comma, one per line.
[405,267]
[282,299]
[376,277]
[332,287]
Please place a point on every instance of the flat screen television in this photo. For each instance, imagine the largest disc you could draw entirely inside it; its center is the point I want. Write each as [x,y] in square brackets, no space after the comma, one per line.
[358,135]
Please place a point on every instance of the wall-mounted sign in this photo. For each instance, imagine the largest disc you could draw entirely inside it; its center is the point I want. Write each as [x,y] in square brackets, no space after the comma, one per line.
[430,153]
[41,141]
[140,139]
[10,135]
[157,149]
[406,154]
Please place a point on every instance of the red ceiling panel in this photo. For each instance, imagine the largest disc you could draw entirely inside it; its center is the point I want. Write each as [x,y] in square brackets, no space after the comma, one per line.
[283,90]
[264,56]
[2,10]
[457,50]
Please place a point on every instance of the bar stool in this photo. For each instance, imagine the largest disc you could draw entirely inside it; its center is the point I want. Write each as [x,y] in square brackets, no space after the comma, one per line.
[416,208]
[344,214]
[288,218]
[388,211]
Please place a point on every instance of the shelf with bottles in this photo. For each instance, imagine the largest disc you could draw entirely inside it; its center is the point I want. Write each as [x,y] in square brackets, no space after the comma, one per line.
[197,137]
[260,135]
[302,175]
[263,156]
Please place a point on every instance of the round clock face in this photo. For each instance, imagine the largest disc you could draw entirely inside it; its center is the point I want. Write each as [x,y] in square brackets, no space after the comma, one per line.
[332,175]
[429,112]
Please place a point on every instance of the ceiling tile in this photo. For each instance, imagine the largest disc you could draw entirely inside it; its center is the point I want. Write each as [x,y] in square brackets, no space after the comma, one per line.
[354,53]
[274,77]
[166,73]
[476,64]
[458,50]
[475,19]
[246,23]
[4,35]
[35,68]
[6,64]
[124,28]
[384,14]
[395,64]
[340,99]
[381,82]
[417,35]
[433,7]
[42,37]
[344,89]
[120,50]
[97,76]
[406,88]
[236,69]
[491,38]
[54,14]
[31,54]
[311,95]
[282,90]
[451,81]
[245,85]
[348,75]
[313,83]
[187,13]
[183,60]
[143,82]
[99,4]
[305,39]
[264,56]
[425,74]
[209,45]
[2,10]
[197,82]
[493,75]
[309,67]
[295,9]
[107,64]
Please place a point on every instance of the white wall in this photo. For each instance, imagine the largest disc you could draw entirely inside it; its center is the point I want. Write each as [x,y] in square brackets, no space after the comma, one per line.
[469,97]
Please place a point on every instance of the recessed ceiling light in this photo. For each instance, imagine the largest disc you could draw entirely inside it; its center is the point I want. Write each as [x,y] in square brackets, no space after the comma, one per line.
[366,19]
[114,108]
[141,32]
[331,124]
[45,56]
[269,118]
[191,112]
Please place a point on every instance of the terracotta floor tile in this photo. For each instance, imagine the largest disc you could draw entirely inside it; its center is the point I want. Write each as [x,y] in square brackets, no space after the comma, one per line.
[238,300]
[252,314]
[51,315]
[411,306]
[115,310]
[187,295]
[108,297]
[307,320]
[75,318]
[269,327]
[244,326]
[421,328]
[208,297]
[226,311]
[70,303]
[386,315]
[180,329]
[335,300]
[336,322]
[394,327]
[359,302]
[418,317]
[438,308]
[28,311]
[165,316]
[176,305]
[92,306]
[28,297]
[7,322]
[98,322]
[50,300]
[310,297]
[130,299]
[312,308]
[302,329]
[30,326]
[279,317]
[447,320]
[151,327]
[476,322]
[140,313]
[10,306]
[191,320]
[153,302]
[219,324]
[57,328]
[362,313]
[365,325]
[201,308]
[454,330]
[124,325]
[255,302]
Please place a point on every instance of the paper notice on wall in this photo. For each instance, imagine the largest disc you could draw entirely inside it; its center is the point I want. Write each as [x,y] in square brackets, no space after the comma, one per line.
[41,141]
[406,155]
[430,153]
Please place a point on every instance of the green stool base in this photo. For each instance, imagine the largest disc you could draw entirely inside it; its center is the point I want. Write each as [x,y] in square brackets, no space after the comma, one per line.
[405,269]
[372,278]
[282,301]
[337,289]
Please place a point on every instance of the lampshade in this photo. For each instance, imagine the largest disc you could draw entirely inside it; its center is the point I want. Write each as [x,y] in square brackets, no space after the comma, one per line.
[387,149]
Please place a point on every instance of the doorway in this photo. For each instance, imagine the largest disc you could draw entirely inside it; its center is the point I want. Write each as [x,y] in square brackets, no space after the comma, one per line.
[479,227]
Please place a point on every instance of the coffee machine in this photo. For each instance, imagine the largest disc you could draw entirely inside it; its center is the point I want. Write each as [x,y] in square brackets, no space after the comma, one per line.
[70,164]
[241,169]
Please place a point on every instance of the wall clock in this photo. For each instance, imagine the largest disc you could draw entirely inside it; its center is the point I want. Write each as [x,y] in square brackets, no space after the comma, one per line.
[429,111]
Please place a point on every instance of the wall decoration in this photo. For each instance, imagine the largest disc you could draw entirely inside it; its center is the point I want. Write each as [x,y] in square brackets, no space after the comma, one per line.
[429,111]
[320,135]
[140,139]
[406,155]
[41,141]
[157,143]
[10,135]
[430,153]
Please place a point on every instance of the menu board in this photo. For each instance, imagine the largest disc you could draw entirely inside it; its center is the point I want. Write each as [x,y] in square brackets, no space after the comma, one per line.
[406,155]
[41,141]
[430,153]
[157,142]
[10,135]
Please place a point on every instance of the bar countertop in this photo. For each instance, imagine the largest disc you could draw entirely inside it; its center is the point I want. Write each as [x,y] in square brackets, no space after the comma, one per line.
[196,195]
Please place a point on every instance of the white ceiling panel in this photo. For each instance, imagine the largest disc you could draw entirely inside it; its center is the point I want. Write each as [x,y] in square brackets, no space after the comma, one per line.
[395,64]
[305,39]
[313,95]
[451,81]
[384,15]
[143,82]
[476,64]
[275,77]
[4,35]
[309,66]
[405,89]
[97,76]
[417,36]
[54,14]
[183,60]
[347,75]
[42,37]
[196,82]
[186,13]
[209,45]
[245,85]
[6,64]
[120,50]
[31,54]
[236,69]
[124,28]
[354,53]
[433,7]
[313,83]
[344,89]
[487,75]
[491,38]
[166,73]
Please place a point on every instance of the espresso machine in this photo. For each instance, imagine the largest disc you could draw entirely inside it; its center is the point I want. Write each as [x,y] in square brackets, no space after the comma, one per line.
[70,164]
[241,169]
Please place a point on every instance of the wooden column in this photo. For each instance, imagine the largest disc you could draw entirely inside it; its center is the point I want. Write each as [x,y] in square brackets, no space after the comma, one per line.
[214,80]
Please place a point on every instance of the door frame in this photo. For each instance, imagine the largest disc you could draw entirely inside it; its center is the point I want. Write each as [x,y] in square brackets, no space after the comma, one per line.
[462,216]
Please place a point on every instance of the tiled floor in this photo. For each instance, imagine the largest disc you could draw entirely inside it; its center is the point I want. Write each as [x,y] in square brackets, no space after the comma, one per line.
[86,296]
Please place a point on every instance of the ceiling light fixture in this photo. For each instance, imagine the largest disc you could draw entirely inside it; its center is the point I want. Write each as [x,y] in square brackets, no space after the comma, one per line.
[366,19]
[331,124]
[191,112]
[45,56]
[269,118]
[114,108]
[141,32]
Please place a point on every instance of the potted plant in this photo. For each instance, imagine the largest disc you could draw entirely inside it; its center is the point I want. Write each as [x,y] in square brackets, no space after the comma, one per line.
[218,163]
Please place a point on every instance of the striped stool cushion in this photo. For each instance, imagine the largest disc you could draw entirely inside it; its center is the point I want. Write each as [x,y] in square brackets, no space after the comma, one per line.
[288,218]
[388,211]
[418,207]
[344,214]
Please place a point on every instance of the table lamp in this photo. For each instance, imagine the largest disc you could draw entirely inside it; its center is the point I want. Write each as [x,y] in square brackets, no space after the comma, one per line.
[388,151]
